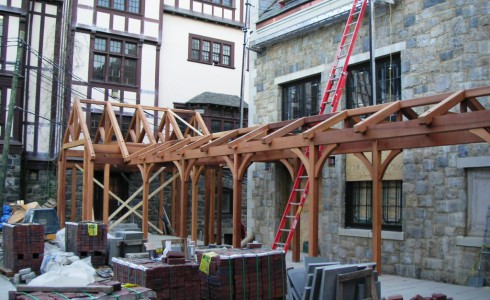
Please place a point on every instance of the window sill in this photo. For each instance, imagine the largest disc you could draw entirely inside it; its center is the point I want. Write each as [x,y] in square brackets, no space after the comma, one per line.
[367,233]
[469,241]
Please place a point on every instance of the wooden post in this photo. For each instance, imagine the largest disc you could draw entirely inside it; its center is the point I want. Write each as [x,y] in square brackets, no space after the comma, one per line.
[173,207]
[61,201]
[161,205]
[146,193]
[207,200]
[105,206]
[73,194]
[212,204]
[88,187]
[377,204]
[237,211]
[184,187]
[195,193]
[313,203]
[219,207]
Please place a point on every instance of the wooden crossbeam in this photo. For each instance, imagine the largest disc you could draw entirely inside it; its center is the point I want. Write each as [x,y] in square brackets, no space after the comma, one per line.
[249,136]
[441,108]
[174,147]
[220,140]
[327,124]
[196,143]
[284,130]
[379,116]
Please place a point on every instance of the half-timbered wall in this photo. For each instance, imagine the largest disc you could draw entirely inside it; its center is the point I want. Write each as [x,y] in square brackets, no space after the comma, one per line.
[90,22]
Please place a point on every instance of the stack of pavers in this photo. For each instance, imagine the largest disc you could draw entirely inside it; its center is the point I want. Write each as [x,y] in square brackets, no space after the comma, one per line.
[23,246]
[87,239]
[169,281]
[244,274]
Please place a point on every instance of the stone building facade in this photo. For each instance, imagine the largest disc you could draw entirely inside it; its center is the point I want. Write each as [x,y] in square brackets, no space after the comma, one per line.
[443,46]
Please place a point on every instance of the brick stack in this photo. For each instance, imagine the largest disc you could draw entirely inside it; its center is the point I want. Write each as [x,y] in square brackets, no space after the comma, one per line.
[244,274]
[87,239]
[177,281]
[23,246]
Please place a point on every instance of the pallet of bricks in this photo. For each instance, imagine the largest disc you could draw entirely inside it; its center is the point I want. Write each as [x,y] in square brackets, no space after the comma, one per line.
[23,246]
[242,274]
[169,281]
[87,239]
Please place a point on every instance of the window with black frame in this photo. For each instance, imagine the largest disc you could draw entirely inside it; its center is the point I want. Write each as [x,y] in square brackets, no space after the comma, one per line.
[359,206]
[301,98]
[115,61]
[227,3]
[131,6]
[211,51]
[388,82]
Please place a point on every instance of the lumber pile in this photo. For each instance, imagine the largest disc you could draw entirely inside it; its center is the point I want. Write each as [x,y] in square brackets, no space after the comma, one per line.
[87,239]
[169,281]
[103,290]
[23,246]
[242,274]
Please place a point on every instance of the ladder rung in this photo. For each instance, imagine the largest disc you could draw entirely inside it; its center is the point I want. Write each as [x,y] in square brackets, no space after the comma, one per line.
[288,216]
[294,203]
[299,190]
[285,230]
[303,177]
[282,244]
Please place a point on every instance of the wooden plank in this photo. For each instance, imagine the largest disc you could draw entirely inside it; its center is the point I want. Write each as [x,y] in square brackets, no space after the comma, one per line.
[117,130]
[146,127]
[212,204]
[67,289]
[73,195]
[377,178]
[105,206]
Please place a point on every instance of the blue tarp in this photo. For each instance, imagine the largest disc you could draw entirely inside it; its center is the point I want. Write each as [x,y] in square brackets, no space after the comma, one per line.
[7,212]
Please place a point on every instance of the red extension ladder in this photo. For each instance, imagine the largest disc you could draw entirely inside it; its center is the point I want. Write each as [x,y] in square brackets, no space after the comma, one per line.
[333,93]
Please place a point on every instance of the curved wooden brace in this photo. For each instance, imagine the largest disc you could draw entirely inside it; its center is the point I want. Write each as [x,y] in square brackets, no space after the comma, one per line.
[288,166]
[188,168]
[196,172]
[179,168]
[366,162]
[388,160]
[326,151]
[244,165]
[301,155]
[230,164]
[483,133]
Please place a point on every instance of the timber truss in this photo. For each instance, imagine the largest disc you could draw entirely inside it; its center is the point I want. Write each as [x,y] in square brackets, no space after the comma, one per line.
[160,137]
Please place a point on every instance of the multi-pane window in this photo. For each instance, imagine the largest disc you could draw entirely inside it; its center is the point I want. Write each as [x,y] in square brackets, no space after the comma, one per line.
[359,204]
[301,98]
[211,51]
[132,6]
[227,3]
[114,61]
[388,82]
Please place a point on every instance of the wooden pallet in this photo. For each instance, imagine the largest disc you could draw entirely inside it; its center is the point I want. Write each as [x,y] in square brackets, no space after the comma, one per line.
[6,271]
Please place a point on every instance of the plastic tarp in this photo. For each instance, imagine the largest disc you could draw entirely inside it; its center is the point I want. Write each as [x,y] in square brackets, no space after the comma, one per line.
[6,213]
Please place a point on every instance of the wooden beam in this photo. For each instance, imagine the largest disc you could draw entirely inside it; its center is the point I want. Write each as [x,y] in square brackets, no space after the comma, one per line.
[195,144]
[327,124]
[220,140]
[249,136]
[196,172]
[73,195]
[377,205]
[212,204]
[441,108]
[483,133]
[378,117]
[219,207]
[117,130]
[314,202]
[284,130]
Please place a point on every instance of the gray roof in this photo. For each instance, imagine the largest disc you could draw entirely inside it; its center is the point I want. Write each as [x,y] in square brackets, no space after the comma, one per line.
[217,99]
[275,8]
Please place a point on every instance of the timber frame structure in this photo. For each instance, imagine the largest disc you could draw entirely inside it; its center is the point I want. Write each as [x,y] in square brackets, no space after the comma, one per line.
[179,139]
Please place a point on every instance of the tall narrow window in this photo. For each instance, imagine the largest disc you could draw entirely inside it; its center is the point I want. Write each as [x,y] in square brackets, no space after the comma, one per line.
[115,61]
[388,82]
[301,98]
[211,51]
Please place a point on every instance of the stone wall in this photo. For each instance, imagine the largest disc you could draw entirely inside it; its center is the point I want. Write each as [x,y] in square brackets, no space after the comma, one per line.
[444,47]
[12,178]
